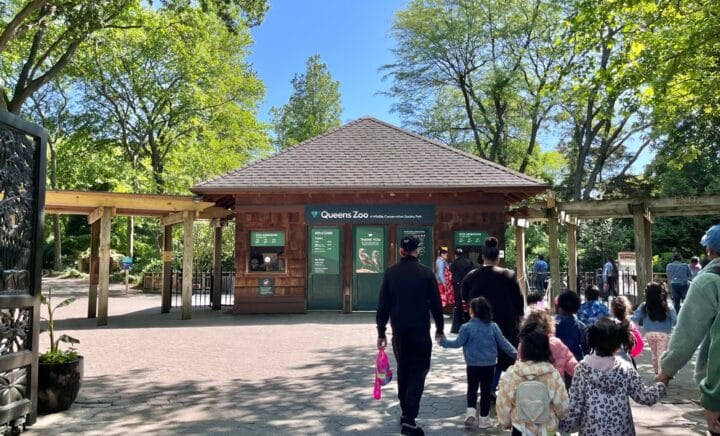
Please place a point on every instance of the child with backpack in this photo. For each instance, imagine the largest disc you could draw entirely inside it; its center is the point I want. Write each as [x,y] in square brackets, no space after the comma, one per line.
[603,382]
[480,339]
[657,318]
[532,396]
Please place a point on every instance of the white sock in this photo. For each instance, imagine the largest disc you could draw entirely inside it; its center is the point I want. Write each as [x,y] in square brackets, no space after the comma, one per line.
[471,412]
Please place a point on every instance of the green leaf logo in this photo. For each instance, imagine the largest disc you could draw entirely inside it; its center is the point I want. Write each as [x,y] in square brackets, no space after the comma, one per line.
[314,213]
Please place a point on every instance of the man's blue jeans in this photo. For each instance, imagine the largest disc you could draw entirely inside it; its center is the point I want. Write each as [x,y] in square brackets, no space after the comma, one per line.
[679,290]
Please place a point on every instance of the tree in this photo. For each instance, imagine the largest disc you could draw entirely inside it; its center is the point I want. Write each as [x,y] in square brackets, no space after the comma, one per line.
[313,108]
[497,63]
[175,95]
[40,37]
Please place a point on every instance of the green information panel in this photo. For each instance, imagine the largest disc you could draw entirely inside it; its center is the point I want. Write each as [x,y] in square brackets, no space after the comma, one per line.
[369,243]
[267,239]
[470,238]
[325,251]
[424,235]
[266,286]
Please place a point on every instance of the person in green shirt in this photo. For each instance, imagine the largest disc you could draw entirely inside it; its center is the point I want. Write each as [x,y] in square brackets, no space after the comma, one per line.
[698,321]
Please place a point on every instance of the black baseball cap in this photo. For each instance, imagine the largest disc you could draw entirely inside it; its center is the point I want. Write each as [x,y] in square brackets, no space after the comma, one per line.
[409,243]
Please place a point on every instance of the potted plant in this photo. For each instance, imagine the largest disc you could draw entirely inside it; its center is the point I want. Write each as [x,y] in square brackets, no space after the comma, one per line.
[60,372]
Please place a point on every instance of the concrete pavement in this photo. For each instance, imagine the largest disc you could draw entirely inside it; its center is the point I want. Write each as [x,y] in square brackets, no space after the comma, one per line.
[219,373]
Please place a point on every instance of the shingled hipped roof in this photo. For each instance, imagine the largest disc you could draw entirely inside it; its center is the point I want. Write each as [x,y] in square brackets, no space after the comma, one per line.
[370,154]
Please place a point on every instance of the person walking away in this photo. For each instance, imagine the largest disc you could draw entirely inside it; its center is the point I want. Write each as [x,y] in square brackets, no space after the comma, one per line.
[695,266]
[408,295]
[592,308]
[444,278]
[603,384]
[562,358]
[460,267]
[568,328]
[533,379]
[480,339]
[698,322]
[500,287]
[540,273]
[610,277]
[621,310]
[657,319]
[678,276]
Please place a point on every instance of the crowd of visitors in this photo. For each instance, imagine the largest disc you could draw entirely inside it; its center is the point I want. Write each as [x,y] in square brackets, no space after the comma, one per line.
[574,372]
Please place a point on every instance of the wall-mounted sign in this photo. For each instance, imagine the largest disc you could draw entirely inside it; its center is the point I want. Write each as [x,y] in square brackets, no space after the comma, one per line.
[424,235]
[370,246]
[370,214]
[266,286]
[472,238]
[267,239]
[325,250]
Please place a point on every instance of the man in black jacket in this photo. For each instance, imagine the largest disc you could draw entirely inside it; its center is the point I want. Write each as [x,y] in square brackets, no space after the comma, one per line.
[408,294]
[459,269]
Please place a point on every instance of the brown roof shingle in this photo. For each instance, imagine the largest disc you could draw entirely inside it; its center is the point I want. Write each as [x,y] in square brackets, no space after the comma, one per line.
[370,154]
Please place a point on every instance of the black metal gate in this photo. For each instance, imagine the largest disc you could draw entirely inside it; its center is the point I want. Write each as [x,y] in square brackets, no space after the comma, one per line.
[202,288]
[22,201]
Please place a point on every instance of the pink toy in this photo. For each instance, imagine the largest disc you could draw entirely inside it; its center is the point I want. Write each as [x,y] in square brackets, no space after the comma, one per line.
[383,373]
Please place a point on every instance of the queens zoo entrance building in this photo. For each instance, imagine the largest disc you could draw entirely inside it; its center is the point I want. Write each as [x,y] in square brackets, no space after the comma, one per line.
[318,224]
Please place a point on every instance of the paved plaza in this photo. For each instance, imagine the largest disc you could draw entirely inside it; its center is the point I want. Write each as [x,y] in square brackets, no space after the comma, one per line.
[218,373]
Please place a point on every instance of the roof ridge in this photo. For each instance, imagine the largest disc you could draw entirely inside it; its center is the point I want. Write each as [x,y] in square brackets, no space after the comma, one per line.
[458,151]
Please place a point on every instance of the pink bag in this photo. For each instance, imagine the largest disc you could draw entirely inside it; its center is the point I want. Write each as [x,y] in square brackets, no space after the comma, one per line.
[383,373]
[639,343]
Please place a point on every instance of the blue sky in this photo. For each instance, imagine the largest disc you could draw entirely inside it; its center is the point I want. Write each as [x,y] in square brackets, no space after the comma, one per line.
[353,39]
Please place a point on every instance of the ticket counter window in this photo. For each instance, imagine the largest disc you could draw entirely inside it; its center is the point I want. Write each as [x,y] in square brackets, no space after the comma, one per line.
[267,252]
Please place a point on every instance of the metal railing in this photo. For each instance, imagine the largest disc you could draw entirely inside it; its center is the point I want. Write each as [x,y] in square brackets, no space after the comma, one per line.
[202,284]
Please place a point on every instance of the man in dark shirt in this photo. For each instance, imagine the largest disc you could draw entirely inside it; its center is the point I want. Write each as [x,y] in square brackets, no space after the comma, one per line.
[459,269]
[409,293]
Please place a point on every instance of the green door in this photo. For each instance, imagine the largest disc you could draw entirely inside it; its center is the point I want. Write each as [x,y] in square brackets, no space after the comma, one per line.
[424,235]
[324,269]
[369,263]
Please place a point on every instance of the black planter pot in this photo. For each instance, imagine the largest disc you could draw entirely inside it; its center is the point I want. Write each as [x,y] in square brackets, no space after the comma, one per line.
[58,385]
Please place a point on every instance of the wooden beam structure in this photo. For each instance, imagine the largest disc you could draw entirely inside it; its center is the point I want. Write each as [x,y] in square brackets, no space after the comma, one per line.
[102,207]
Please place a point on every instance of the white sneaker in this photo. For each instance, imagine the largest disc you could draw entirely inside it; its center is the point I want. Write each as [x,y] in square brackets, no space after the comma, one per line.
[485,422]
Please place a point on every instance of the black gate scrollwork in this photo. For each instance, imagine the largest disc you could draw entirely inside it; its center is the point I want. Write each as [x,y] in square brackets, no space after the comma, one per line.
[22,199]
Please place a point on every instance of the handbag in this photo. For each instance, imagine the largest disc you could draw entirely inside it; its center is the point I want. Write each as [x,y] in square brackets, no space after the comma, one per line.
[383,373]
[639,343]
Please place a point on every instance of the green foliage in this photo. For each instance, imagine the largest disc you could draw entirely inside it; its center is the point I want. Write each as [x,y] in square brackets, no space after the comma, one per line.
[600,238]
[55,354]
[313,108]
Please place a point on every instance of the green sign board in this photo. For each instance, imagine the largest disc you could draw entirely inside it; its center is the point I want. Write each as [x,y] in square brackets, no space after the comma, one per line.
[325,250]
[409,214]
[424,235]
[267,239]
[369,243]
[464,238]
[266,286]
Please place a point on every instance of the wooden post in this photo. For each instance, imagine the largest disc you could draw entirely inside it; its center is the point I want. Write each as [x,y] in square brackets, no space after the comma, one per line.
[643,247]
[167,270]
[94,269]
[217,266]
[572,254]
[520,266]
[187,264]
[552,216]
[104,265]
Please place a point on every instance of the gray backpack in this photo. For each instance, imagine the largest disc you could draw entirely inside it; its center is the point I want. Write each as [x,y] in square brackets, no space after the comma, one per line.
[532,403]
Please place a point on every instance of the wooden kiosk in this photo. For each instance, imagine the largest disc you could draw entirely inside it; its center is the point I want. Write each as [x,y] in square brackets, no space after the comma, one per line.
[317,224]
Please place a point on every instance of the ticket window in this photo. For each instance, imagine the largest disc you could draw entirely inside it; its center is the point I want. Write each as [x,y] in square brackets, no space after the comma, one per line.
[267,252]
[472,242]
